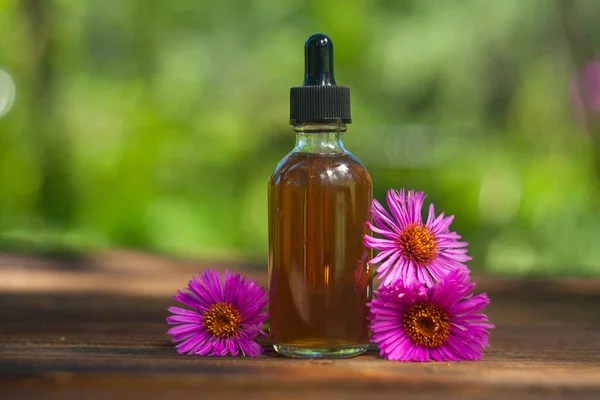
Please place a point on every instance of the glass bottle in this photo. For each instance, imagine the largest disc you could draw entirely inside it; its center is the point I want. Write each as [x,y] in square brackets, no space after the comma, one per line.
[319,199]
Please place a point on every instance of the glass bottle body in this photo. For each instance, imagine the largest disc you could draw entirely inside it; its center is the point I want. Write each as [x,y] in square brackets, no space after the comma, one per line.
[319,279]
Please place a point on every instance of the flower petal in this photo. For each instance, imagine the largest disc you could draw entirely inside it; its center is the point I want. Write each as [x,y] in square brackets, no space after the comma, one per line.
[380,244]
[383,232]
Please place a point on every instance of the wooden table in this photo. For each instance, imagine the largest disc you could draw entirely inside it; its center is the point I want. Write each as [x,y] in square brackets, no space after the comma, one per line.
[93,328]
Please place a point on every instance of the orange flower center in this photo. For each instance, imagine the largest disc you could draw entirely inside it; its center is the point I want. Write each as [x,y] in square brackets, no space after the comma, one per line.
[418,244]
[222,320]
[426,324]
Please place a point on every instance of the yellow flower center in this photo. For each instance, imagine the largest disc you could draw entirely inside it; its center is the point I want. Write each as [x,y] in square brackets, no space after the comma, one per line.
[426,324]
[418,244]
[222,320]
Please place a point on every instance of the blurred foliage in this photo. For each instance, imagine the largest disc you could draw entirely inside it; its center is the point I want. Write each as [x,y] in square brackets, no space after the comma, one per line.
[155,125]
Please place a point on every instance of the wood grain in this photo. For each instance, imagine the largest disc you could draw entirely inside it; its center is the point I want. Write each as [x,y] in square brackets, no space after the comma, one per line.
[107,341]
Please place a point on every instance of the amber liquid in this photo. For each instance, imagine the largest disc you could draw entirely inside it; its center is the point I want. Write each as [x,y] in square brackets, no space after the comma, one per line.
[320,281]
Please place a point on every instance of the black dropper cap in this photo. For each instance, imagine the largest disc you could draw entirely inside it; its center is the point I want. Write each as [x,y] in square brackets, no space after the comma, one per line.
[319,99]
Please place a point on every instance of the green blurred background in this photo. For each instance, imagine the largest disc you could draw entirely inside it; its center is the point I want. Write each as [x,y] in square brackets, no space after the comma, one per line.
[154,125]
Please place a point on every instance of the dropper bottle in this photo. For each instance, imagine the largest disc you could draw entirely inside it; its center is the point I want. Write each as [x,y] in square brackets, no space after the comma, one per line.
[319,199]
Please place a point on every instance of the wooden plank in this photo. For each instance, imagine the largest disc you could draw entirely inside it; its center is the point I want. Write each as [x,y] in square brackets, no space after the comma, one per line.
[66,343]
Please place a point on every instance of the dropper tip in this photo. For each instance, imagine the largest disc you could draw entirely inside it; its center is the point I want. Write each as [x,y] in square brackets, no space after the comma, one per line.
[319,40]
[318,61]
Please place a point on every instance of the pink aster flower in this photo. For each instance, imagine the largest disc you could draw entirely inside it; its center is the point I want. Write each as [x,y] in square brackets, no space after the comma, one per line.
[227,315]
[415,323]
[411,250]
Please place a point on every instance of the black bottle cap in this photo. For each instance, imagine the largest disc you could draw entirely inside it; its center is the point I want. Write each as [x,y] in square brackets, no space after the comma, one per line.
[319,99]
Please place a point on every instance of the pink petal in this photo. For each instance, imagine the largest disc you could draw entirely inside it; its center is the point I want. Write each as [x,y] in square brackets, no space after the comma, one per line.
[382,255]
[382,232]
[380,244]
[396,203]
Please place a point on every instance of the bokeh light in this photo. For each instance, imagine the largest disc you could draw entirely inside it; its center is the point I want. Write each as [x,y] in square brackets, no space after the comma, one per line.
[7,92]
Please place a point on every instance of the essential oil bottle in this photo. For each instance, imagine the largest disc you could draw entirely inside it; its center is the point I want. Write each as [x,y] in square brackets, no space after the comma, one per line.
[319,199]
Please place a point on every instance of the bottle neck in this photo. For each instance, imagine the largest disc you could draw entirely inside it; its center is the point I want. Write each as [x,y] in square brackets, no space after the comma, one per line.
[319,138]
